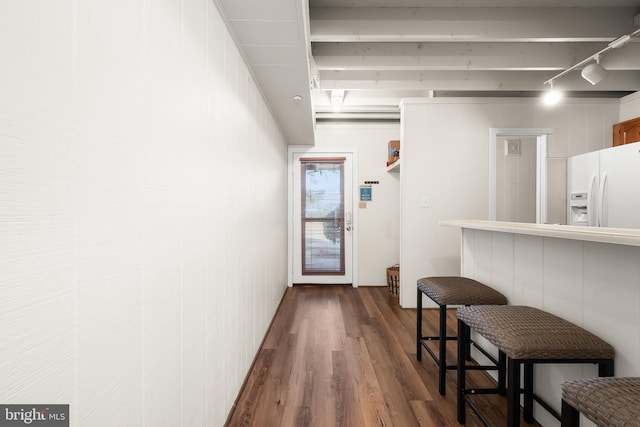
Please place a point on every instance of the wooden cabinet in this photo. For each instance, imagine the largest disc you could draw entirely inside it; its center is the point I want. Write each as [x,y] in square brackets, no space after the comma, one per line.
[626,132]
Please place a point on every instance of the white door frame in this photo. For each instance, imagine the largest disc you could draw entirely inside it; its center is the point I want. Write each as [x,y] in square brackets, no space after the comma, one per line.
[290,218]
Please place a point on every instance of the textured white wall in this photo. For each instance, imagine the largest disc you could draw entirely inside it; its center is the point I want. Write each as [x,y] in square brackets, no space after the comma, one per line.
[379,222]
[445,149]
[142,211]
[630,107]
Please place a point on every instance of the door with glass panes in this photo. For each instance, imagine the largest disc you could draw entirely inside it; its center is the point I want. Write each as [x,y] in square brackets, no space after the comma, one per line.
[323,223]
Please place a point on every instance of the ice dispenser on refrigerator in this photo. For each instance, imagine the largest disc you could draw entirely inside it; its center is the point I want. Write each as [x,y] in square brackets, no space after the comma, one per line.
[579,209]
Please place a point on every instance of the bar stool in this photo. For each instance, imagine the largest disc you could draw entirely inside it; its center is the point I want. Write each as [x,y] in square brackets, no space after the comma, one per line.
[608,402]
[444,291]
[526,336]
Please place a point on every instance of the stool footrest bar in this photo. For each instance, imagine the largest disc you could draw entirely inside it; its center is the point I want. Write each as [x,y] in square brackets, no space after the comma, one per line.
[438,338]
[431,353]
[477,411]
[546,406]
[481,368]
[485,353]
[474,391]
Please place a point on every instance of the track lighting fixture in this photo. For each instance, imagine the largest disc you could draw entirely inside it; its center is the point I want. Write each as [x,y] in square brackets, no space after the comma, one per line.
[594,73]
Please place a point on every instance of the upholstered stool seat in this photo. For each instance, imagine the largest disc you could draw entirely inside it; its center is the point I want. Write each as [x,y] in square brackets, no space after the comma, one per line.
[453,290]
[608,402]
[527,336]
[444,291]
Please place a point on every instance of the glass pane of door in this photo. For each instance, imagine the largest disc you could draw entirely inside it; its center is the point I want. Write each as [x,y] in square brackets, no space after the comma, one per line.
[322,216]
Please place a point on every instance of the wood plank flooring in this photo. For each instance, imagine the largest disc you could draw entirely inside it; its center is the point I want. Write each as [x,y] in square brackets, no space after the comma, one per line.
[343,356]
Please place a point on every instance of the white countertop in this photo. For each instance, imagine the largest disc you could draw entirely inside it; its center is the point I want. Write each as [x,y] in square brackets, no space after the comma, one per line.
[617,236]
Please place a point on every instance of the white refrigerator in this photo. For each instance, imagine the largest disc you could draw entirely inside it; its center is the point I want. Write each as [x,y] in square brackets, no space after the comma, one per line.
[603,187]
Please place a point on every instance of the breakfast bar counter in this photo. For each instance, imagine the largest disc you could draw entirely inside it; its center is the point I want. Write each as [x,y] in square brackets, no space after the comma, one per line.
[587,275]
[620,236]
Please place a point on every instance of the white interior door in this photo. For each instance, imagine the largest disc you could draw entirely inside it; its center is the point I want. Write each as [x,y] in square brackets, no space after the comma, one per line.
[322,218]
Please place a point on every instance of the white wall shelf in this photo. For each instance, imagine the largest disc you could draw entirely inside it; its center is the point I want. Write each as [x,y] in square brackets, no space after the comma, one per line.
[394,167]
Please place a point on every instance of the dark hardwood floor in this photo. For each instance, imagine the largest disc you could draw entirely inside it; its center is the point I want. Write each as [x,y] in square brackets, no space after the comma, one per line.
[343,356]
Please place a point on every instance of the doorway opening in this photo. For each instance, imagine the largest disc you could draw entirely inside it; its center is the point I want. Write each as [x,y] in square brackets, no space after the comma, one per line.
[513,194]
[322,221]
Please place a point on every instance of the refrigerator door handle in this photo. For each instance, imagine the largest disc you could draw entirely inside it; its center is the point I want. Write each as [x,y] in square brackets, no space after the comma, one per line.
[592,218]
[601,202]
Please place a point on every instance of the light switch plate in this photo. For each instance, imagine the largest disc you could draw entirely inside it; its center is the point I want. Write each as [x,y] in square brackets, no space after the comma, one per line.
[424,201]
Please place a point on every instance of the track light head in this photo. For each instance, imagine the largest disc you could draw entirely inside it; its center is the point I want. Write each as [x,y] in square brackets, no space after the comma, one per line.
[552,96]
[337,98]
[594,73]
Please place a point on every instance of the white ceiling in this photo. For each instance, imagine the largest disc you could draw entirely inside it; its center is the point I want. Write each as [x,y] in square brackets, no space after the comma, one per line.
[380,51]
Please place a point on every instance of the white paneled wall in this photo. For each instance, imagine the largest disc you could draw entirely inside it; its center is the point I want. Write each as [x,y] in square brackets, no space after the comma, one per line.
[378,222]
[594,285]
[630,107]
[142,211]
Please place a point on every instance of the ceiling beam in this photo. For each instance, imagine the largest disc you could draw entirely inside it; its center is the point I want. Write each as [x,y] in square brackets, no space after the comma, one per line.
[470,24]
[371,100]
[468,56]
[472,80]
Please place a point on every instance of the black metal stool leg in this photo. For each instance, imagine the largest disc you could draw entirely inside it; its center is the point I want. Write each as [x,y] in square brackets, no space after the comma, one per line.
[570,415]
[513,393]
[502,373]
[442,347]
[419,326]
[605,368]
[468,341]
[461,382]
[528,392]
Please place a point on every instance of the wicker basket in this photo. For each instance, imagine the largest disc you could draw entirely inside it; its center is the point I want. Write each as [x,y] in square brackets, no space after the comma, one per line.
[393,279]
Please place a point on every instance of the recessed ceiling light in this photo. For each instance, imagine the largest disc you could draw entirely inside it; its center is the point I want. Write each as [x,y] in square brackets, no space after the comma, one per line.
[337,98]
